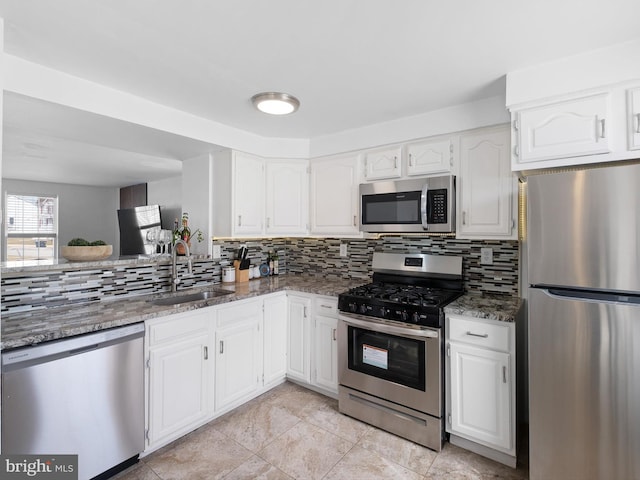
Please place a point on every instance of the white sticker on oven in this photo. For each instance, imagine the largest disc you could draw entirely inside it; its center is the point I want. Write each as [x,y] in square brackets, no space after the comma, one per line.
[375,356]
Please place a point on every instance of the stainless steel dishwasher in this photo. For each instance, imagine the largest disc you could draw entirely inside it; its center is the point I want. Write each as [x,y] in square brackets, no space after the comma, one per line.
[83,395]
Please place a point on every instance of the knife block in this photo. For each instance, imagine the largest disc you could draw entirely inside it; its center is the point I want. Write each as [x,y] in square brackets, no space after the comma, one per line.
[242,276]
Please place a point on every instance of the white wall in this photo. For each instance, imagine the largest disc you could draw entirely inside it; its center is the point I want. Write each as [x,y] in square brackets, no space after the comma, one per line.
[83,211]
[606,66]
[197,193]
[168,194]
[482,113]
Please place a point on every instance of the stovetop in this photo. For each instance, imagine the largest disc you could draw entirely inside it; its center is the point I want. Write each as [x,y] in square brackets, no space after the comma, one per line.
[414,304]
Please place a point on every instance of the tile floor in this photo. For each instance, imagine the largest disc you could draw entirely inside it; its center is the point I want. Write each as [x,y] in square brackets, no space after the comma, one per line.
[293,433]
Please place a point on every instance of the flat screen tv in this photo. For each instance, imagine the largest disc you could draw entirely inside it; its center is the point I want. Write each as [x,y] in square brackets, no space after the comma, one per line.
[134,224]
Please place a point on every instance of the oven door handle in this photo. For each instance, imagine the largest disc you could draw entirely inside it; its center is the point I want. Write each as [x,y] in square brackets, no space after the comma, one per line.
[390,329]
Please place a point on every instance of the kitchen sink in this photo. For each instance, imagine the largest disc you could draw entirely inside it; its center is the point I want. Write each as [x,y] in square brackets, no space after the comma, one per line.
[190,297]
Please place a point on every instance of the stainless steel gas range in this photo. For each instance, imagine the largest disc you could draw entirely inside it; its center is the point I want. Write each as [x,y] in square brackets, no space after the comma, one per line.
[390,345]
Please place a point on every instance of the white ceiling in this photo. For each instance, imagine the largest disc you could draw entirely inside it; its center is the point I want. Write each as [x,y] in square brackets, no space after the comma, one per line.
[351,63]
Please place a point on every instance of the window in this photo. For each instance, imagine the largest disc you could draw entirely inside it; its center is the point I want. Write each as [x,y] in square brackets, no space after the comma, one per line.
[31,227]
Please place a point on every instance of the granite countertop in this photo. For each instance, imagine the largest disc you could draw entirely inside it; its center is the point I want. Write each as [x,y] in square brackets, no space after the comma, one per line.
[33,327]
[503,308]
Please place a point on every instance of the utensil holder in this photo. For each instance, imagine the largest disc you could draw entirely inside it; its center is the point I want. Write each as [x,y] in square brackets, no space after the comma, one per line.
[242,276]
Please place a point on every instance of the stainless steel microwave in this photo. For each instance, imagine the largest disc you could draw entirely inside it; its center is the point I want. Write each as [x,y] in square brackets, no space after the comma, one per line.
[426,205]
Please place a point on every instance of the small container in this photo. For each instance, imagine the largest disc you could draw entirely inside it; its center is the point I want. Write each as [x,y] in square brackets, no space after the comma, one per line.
[255,271]
[228,275]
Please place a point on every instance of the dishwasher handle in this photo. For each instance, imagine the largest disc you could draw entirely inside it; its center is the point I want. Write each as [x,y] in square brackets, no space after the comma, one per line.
[18,358]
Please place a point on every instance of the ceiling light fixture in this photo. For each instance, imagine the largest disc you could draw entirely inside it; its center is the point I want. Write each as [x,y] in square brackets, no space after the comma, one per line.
[275,103]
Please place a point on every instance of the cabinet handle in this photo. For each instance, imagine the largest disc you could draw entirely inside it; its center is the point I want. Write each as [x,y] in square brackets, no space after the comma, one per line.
[410,160]
[464,218]
[602,130]
[304,314]
[480,335]
[334,335]
[326,306]
[395,162]
[206,352]
[239,220]
[504,374]
[354,221]
[637,122]
[221,346]
[268,222]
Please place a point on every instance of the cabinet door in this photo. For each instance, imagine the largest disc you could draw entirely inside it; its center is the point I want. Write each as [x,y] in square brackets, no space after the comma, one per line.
[238,349]
[326,352]
[430,157]
[385,163]
[565,129]
[633,107]
[238,360]
[334,196]
[178,381]
[298,339]
[248,194]
[287,197]
[487,189]
[480,395]
[275,339]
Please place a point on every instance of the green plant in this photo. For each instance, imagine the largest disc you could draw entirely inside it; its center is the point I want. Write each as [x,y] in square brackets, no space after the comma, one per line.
[81,242]
[78,242]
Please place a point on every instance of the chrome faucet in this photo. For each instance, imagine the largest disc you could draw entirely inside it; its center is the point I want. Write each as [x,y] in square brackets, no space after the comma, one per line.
[175,279]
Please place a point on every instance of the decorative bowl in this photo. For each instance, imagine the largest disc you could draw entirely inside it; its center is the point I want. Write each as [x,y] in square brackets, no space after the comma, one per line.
[86,254]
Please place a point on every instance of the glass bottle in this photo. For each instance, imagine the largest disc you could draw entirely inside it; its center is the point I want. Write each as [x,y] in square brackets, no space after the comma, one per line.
[185,231]
[270,257]
[275,263]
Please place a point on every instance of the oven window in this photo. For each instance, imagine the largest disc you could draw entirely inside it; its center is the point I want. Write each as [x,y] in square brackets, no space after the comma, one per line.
[391,208]
[390,357]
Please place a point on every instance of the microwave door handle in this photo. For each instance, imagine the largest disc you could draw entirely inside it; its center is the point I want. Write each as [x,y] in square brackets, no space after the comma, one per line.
[423,206]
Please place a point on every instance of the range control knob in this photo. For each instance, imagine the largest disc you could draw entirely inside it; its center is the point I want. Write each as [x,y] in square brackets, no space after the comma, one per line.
[363,309]
[404,316]
[353,307]
[415,318]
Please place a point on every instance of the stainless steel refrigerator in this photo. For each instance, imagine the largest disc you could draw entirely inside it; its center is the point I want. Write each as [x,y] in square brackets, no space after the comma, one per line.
[584,324]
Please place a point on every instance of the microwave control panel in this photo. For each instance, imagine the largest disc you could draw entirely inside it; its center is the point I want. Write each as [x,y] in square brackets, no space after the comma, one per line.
[437,206]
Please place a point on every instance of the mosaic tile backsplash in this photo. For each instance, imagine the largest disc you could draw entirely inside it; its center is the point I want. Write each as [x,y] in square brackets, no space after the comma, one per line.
[309,256]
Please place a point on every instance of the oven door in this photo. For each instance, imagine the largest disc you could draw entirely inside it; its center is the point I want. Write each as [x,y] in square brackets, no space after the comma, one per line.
[399,364]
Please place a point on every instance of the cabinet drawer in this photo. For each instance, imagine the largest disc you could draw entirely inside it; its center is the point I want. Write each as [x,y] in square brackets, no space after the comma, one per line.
[481,333]
[239,313]
[178,326]
[326,306]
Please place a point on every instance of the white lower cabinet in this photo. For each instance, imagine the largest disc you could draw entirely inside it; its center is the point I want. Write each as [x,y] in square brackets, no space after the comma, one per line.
[480,371]
[238,373]
[325,351]
[178,374]
[203,363]
[275,339]
[299,338]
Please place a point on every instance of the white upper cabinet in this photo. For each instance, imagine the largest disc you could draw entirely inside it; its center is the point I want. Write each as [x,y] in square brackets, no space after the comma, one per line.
[487,189]
[429,157]
[287,197]
[564,129]
[254,197]
[633,118]
[334,196]
[383,163]
[248,194]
